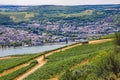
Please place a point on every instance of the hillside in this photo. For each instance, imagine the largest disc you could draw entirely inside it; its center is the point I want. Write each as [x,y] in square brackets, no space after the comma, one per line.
[96,58]
[62,14]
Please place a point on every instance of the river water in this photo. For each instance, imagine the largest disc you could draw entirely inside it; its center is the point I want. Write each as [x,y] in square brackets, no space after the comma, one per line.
[29,50]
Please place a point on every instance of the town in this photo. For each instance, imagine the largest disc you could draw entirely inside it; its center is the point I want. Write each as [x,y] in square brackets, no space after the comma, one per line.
[20,37]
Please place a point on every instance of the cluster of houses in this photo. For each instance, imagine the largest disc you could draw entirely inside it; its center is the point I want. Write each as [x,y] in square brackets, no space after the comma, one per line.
[11,35]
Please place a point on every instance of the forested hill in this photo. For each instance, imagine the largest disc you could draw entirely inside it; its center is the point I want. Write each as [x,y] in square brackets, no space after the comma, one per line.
[74,14]
[57,13]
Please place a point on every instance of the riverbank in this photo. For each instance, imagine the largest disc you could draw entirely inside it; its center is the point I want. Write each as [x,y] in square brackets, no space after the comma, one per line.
[35,49]
[30,50]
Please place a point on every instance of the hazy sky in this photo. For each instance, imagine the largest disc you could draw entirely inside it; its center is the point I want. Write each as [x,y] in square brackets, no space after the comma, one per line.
[58,2]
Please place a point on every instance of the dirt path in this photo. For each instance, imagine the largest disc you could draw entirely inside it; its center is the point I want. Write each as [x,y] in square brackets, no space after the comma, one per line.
[99,41]
[21,77]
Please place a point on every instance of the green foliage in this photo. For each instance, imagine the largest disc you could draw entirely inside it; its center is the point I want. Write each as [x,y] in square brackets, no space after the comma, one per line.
[68,76]
[109,36]
[105,67]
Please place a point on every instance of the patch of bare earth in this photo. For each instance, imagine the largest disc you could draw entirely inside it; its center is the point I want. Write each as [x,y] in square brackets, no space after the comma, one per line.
[99,41]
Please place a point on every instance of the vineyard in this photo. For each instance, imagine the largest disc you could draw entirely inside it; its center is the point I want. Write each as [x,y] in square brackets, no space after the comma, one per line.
[12,62]
[13,75]
[62,61]
[80,62]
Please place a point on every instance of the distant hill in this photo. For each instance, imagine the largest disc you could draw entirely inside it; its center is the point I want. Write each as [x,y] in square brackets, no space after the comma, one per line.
[58,13]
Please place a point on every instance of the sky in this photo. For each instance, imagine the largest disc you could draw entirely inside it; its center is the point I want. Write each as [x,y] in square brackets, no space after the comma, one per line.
[57,2]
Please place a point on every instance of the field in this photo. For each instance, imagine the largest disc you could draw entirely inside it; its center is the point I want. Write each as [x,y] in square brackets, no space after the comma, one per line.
[16,73]
[19,16]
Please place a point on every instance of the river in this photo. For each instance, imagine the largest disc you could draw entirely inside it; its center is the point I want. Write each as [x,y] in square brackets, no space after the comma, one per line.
[29,50]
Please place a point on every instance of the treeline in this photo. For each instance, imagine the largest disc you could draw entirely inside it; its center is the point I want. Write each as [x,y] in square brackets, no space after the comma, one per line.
[16,44]
[13,44]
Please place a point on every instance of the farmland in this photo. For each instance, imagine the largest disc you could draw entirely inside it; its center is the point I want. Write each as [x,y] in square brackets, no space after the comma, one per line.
[16,73]
[13,62]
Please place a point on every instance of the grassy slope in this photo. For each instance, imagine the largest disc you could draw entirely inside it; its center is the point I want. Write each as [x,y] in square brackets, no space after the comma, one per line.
[105,66]
[13,75]
[62,61]
[10,63]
